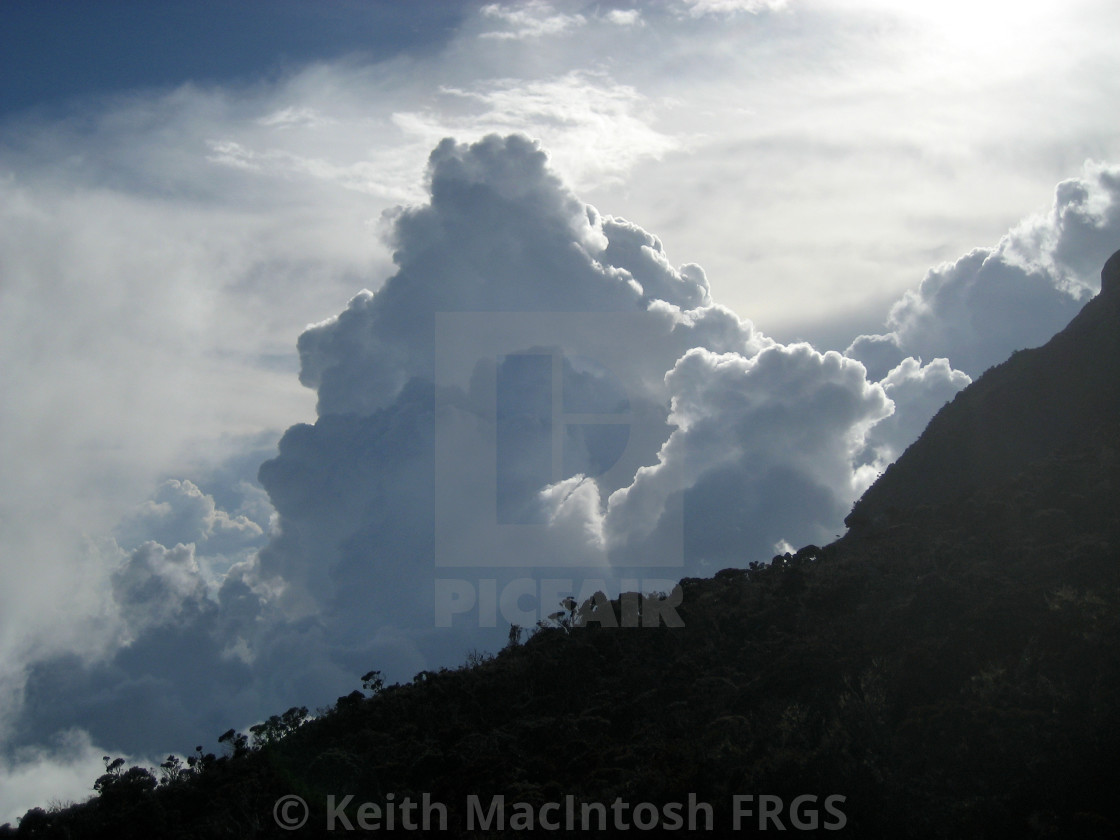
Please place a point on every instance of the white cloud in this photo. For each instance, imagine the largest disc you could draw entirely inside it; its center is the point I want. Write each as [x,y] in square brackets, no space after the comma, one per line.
[625,17]
[181,513]
[501,234]
[595,128]
[531,19]
[788,416]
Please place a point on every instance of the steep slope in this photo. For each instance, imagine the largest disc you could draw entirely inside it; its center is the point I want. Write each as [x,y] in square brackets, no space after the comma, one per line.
[1057,398]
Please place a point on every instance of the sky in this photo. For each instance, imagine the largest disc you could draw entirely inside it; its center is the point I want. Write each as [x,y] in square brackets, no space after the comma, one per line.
[342,336]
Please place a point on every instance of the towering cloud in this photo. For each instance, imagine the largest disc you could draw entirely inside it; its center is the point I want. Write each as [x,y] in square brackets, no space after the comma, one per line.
[581,403]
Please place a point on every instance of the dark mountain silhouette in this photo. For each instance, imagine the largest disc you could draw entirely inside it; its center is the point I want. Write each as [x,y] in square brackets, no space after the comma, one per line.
[950,668]
[1061,397]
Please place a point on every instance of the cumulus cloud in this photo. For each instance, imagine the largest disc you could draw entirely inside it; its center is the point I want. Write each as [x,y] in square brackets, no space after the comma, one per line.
[785,424]
[500,234]
[180,512]
[501,241]
[172,641]
[973,313]
[508,288]
[979,309]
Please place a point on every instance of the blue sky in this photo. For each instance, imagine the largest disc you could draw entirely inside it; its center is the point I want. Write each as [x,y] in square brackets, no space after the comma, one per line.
[59,52]
[268,270]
